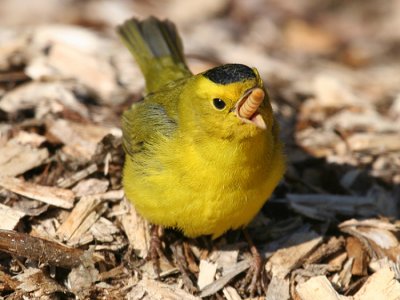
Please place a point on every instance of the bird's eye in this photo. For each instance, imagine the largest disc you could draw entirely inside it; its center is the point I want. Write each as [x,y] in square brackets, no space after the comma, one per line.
[219,103]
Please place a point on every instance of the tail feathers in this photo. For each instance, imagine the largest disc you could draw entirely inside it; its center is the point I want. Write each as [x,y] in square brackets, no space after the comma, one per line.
[157,49]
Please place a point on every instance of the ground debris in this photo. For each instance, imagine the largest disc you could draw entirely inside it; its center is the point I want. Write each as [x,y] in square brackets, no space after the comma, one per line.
[80,140]
[331,229]
[318,288]
[36,284]
[278,288]
[136,228]
[229,274]
[10,217]
[87,211]
[300,245]
[377,237]
[83,276]
[43,98]
[323,207]
[16,159]
[207,272]
[38,249]
[380,285]
[51,195]
[152,289]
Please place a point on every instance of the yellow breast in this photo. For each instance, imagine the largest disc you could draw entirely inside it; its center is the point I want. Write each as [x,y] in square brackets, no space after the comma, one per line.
[205,187]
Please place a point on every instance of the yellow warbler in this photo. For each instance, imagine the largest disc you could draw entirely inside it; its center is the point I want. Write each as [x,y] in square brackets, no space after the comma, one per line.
[202,151]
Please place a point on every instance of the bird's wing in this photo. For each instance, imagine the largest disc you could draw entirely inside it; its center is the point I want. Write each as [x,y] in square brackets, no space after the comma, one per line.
[145,124]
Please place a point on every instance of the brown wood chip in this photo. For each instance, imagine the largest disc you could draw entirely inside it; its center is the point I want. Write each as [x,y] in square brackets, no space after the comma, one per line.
[355,250]
[9,217]
[155,290]
[38,249]
[16,159]
[318,288]
[218,284]
[48,194]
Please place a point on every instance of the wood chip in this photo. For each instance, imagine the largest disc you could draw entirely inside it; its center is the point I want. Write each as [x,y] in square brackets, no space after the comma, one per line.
[39,285]
[9,217]
[381,285]
[304,37]
[44,98]
[343,278]
[374,223]
[377,264]
[319,141]
[206,274]
[219,284]
[309,271]
[82,235]
[29,139]
[383,238]
[31,207]
[80,140]
[355,250]
[323,207]
[149,289]
[113,273]
[226,256]
[82,277]
[327,249]
[16,159]
[104,230]
[70,181]
[136,228]
[51,195]
[285,259]
[336,263]
[80,38]
[90,186]
[318,288]
[365,118]
[278,289]
[45,229]
[82,210]
[375,142]
[376,236]
[8,49]
[7,283]
[230,293]
[38,249]
[95,72]
[330,91]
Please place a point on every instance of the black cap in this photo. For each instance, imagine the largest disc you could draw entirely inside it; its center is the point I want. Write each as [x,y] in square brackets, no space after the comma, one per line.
[230,73]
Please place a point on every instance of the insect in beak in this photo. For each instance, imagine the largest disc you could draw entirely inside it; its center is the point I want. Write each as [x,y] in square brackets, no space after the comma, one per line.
[247,107]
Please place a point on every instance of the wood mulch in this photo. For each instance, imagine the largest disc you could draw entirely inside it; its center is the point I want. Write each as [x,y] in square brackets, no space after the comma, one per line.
[331,229]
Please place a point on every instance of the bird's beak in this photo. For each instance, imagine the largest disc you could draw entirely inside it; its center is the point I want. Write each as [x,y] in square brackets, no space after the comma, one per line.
[247,107]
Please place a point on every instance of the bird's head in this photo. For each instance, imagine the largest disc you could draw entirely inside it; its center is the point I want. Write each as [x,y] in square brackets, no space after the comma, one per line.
[228,101]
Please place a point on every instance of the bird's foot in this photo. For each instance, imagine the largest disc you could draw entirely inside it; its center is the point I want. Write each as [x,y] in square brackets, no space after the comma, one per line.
[156,251]
[156,254]
[181,263]
[253,282]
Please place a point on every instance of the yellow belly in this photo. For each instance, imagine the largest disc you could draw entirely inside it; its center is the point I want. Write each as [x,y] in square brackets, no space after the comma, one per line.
[204,195]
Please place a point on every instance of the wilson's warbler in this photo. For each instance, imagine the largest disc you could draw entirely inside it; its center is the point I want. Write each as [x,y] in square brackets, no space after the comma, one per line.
[202,151]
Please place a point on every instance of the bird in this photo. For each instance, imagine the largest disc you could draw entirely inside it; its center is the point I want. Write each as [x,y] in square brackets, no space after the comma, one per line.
[203,152]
